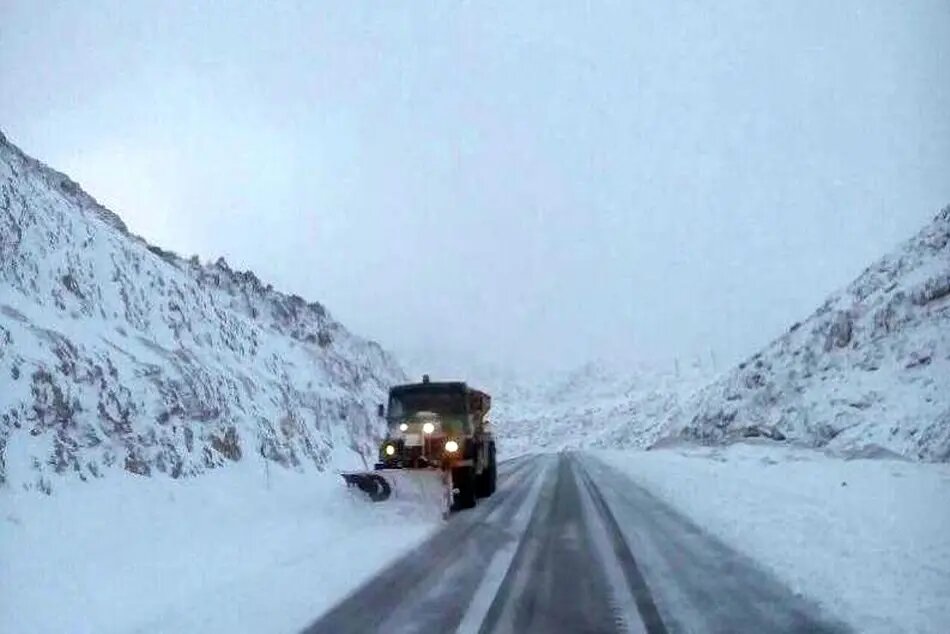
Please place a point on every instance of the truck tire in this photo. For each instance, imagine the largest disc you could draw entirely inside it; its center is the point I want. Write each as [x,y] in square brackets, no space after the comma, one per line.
[493,469]
[463,479]
[486,479]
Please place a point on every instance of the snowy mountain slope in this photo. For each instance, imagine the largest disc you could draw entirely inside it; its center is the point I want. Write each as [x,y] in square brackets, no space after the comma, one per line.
[870,369]
[598,404]
[587,406]
[116,354]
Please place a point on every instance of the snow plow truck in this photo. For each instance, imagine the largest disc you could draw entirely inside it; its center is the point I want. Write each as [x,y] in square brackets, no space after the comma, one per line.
[438,448]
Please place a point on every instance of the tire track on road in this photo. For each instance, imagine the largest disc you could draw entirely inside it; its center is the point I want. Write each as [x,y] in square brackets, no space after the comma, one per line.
[450,587]
[636,584]
[554,583]
[696,581]
[389,592]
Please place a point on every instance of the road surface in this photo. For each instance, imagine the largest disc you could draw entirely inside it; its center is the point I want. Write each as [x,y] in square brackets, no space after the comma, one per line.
[568,544]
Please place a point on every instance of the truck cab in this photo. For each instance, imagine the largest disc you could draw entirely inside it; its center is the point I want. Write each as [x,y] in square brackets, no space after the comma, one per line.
[444,426]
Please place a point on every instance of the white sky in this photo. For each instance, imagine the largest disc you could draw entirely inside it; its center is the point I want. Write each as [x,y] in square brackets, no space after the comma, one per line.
[530,184]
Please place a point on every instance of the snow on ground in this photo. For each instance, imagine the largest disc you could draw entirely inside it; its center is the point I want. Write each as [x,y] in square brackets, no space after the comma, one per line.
[869,540]
[238,550]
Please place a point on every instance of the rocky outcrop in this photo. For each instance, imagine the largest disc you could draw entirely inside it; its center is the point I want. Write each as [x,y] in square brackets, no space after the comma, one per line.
[116,354]
[870,368]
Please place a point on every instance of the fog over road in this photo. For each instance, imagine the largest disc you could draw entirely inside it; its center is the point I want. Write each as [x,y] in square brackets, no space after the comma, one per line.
[568,544]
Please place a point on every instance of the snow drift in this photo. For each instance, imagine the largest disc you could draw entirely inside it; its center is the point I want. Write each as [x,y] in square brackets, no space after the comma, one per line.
[115,354]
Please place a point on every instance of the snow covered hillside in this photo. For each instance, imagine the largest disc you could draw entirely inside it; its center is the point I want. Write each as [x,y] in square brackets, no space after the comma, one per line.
[591,405]
[868,372]
[115,354]
[599,404]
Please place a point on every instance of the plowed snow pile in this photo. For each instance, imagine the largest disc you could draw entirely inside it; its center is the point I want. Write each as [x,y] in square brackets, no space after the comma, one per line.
[242,549]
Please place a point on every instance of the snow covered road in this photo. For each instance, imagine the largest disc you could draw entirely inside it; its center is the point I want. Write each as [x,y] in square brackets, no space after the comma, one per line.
[759,537]
[561,548]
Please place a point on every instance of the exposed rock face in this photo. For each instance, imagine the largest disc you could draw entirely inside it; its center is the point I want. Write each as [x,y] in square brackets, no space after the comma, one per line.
[871,367]
[115,354]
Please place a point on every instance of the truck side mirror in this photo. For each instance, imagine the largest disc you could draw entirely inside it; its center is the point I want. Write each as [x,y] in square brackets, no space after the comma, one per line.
[381,410]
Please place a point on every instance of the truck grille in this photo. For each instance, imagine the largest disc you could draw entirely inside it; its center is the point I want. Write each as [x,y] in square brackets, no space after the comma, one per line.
[413,456]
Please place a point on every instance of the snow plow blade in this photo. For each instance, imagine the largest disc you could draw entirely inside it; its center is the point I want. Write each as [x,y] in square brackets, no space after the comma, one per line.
[431,487]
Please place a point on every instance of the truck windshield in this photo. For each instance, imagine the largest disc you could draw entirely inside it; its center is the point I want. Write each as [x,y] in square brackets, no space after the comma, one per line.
[406,404]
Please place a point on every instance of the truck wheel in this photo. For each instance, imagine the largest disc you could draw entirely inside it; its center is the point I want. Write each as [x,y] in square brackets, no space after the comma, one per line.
[486,480]
[463,479]
[493,468]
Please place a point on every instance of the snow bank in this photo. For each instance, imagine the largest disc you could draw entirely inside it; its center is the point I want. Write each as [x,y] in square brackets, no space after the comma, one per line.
[253,548]
[866,539]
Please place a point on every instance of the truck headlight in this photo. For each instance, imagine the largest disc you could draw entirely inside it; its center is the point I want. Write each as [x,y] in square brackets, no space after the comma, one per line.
[428,428]
[390,450]
[451,446]
[403,426]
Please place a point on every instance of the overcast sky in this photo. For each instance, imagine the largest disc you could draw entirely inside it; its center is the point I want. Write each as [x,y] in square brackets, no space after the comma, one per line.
[533,184]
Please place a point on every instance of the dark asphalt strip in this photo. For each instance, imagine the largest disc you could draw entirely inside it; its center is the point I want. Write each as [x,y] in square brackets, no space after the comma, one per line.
[367,608]
[498,606]
[638,586]
[440,604]
[554,584]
